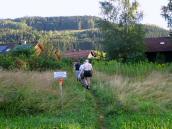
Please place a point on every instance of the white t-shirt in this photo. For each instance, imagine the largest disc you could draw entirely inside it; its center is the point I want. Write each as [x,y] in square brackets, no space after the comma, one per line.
[87,66]
[81,68]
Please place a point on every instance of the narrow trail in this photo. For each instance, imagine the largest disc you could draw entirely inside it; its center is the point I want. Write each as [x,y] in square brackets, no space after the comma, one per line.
[101,117]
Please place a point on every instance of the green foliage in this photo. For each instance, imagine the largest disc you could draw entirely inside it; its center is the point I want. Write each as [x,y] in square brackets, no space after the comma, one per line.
[123,36]
[59,23]
[13,25]
[43,63]
[18,36]
[25,62]
[166,13]
[7,62]
[89,38]
[26,50]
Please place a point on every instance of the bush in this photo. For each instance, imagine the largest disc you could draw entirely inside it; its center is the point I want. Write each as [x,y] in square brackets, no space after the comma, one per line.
[43,63]
[7,62]
[26,50]
[40,63]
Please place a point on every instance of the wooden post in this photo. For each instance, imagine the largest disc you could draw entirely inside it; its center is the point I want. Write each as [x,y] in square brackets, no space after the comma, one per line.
[60,76]
[61,83]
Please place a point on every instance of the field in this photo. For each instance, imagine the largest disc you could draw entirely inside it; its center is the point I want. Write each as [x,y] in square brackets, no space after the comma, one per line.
[122,96]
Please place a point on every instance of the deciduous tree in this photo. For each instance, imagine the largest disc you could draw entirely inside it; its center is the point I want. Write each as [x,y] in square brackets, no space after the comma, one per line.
[123,35]
[167,14]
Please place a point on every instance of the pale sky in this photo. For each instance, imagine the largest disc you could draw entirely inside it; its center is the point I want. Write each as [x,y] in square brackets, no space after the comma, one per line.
[20,8]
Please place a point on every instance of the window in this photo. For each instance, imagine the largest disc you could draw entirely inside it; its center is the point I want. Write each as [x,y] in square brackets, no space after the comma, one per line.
[162,43]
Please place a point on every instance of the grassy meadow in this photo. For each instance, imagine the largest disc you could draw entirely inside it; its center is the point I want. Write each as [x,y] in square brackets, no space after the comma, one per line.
[134,96]
[32,100]
[122,96]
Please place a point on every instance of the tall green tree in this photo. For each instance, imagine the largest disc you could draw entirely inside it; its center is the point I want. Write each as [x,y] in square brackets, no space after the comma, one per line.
[123,35]
[167,14]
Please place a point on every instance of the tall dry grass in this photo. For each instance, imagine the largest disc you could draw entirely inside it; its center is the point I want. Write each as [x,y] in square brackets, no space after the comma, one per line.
[151,94]
[35,92]
[33,100]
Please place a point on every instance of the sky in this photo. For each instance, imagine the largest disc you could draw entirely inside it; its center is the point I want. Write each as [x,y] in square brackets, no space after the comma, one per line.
[21,8]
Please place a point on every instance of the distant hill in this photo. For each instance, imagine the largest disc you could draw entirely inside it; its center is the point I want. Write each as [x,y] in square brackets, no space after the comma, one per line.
[10,24]
[68,23]
[75,32]
[60,23]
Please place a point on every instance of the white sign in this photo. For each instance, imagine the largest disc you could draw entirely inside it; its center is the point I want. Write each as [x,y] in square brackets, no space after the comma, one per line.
[60,75]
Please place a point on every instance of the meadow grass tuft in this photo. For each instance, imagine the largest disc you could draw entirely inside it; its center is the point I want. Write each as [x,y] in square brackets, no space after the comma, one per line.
[125,96]
[32,100]
[130,69]
[134,101]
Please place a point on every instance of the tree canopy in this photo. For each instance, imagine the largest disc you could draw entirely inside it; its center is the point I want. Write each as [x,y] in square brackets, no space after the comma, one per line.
[167,13]
[123,35]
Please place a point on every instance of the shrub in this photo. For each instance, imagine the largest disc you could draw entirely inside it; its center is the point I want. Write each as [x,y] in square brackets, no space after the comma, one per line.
[26,50]
[42,63]
[7,62]
[39,63]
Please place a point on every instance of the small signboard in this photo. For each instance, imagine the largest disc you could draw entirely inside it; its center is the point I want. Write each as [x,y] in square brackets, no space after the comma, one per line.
[60,75]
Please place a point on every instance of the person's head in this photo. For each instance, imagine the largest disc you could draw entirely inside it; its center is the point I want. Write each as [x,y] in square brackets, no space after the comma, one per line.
[86,61]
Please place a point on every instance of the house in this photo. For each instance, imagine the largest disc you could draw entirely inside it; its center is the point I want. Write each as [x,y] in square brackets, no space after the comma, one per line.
[159,46]
[5,48]
[80,54]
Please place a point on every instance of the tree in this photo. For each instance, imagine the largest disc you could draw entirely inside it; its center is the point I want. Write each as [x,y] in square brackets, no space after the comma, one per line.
[167,14]
[123,35]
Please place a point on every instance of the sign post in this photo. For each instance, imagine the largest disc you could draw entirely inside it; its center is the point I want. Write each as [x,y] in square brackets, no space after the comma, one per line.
[60,76]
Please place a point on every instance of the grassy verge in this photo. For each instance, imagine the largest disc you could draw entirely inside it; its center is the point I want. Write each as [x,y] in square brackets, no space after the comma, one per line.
[141,69]
[119,99]
[32,100]
[131,103]
[139,121]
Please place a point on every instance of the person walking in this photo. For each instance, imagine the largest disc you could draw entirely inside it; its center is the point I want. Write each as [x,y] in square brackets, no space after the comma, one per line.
[76,68]
[88,70]
[81,74]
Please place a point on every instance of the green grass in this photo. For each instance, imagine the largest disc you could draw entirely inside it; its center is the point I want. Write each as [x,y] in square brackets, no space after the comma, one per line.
[129,102]
[82,117]
[132,113]
[126,96]
[140,121]
[28,102]
[130,69]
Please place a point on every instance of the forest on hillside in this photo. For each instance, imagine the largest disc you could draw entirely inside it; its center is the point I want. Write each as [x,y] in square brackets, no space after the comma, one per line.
[65,33]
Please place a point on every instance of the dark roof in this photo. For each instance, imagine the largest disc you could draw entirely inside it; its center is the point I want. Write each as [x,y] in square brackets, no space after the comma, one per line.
[160,44]
[77,54]
[4,48]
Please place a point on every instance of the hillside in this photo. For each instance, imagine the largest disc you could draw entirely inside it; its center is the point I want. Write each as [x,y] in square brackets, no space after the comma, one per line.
[65,23]
[65,33]
[60,23]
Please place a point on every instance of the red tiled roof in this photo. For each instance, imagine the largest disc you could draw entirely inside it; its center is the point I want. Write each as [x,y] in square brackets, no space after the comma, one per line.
[160,44]
[77,54]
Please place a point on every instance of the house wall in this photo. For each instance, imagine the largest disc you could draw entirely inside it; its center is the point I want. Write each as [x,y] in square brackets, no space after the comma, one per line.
[155,56]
